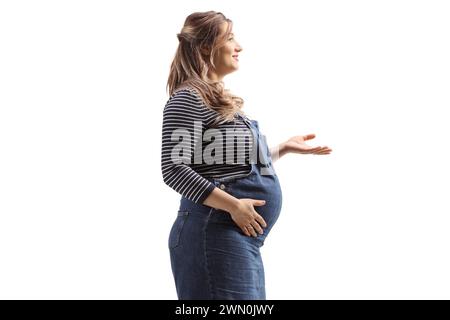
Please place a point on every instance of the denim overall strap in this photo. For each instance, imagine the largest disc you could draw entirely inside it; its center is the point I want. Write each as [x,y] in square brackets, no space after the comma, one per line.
[262,153]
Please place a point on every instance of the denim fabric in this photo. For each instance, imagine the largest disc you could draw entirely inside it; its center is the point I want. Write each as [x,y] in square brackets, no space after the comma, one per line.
[210,256]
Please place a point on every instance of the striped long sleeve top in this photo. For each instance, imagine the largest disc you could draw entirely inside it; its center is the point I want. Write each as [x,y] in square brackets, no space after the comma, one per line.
[185,163]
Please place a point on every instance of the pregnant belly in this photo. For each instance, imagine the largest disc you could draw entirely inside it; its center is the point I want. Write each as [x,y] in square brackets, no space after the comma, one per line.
[259,187]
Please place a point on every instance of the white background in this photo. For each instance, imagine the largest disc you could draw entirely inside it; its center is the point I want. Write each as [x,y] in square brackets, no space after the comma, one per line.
[84,213]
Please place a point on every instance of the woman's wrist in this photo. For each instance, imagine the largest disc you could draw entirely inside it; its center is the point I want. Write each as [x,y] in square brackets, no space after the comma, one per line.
[283,149]
[232,204]
[222,200]
[279,151]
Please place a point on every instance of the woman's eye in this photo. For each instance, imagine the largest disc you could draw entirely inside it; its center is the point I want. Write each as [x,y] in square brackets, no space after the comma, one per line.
[231,39]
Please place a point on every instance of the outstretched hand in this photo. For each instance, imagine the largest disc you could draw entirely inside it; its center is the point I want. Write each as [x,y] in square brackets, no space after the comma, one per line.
[297,144]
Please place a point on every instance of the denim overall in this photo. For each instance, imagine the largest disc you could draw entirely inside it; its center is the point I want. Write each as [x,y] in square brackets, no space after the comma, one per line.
[211,257]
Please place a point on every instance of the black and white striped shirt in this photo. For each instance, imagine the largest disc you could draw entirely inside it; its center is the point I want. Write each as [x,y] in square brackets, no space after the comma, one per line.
[184,164]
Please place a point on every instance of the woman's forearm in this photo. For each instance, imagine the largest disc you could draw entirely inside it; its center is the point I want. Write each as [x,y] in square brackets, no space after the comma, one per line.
[220,199]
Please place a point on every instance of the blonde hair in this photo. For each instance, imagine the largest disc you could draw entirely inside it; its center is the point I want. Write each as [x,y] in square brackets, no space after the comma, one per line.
[199,41]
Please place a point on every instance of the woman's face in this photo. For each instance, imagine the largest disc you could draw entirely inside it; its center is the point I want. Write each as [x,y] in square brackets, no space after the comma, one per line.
[226,59]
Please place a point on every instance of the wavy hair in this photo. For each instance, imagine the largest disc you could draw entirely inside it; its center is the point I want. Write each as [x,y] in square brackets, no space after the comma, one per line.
[199,41]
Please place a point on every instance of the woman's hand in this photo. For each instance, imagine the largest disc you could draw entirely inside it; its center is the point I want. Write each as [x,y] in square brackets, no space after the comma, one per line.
[297,144]
[247,218]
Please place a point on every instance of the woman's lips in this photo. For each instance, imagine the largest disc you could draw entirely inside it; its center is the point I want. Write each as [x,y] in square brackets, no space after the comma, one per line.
[236,58]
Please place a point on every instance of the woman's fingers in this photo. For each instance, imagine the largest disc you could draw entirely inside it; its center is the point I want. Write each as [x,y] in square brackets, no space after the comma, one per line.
[309,136]
[251,230]
[309,150]
[324,150]
[257,227]
[259,202]
[260,220]
[252,222]
[245,231]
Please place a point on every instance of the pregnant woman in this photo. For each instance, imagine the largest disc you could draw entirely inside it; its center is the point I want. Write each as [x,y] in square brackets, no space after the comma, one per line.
[230,193]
